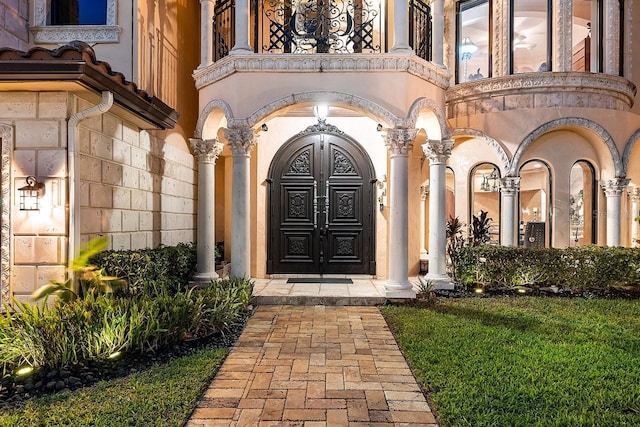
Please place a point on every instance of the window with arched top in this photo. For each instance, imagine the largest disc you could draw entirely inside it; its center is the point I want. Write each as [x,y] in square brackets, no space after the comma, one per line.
[451,193]
[582,202]
[535,204]
[484,187]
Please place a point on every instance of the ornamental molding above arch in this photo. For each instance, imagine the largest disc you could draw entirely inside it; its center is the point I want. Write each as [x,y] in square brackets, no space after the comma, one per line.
[6,136]
[366,106]
[422,104]
[631,142]
[563,123]
[216,104]
[497,147]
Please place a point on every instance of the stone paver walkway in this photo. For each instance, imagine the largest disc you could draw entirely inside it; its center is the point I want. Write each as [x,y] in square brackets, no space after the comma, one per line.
[314,366]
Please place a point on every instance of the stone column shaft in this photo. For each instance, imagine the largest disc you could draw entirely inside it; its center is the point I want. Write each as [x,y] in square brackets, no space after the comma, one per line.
[401,27]
[635,205]
[424,192]
[613,189]
[241,141]
[509,187]
[207,151]
[242,28]
[438,152]
[437,46]
[206,33]
[399,143]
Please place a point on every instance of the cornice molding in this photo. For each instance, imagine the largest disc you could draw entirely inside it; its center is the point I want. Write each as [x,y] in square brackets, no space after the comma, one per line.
[321,63]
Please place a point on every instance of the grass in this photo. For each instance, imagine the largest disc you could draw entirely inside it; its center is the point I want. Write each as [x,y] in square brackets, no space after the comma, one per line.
[525,361]
[164,395]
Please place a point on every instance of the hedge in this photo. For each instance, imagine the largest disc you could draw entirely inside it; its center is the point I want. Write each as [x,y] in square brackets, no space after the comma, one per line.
[579,269]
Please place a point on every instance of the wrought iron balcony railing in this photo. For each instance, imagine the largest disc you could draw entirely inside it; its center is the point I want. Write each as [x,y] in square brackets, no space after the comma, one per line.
[320,26]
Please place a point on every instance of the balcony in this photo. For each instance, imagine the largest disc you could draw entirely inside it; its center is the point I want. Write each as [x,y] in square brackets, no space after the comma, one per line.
[540,90]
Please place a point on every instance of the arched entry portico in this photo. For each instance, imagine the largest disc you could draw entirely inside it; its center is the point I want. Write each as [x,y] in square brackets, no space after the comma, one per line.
[321,201]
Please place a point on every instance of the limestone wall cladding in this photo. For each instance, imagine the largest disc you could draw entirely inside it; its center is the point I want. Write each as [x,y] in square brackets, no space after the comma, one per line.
[13,24]
[136,188]
[38,238]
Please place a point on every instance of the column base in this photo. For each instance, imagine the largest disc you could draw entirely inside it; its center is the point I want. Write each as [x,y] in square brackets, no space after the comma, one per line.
[399,290]
[241,50]
[204,278]
[440,281]
[402,49]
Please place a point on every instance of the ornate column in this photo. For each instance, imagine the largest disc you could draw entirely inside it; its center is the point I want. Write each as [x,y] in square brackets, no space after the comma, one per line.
[240,141]
[613,189]
[611,42]
[242,29]
[437,48]
[438,152]
[634,193]
[424,192]
[207,151]
[399,142]
[401,27]
[509,187]
[562,54]
[206,33]
[501,46]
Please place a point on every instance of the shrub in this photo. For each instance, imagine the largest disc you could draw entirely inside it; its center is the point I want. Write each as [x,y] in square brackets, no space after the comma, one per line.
[578,269]
[151,271]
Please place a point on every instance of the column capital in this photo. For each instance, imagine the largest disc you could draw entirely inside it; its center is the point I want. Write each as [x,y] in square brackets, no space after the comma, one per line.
[400,140]
[510,185]
[241,140]
[206,150]
[634,193]
[438,151]
[614,187]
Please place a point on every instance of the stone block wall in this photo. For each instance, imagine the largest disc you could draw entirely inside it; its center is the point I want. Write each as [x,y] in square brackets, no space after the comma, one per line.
[14,31]
[136,189]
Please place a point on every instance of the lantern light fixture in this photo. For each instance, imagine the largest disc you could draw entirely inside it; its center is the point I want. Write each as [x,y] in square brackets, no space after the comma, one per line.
[30,194]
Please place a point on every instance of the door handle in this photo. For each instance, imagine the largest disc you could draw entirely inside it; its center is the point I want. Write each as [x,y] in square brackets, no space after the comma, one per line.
[315,204]
[326,205]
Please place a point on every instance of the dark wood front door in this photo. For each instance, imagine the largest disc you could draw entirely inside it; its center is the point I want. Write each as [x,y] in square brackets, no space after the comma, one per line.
[321,206]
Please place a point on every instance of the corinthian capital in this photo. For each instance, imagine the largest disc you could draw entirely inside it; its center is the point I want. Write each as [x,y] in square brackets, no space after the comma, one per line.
[509,185]
[241,140]
[206,150]
[438,151]
[614,187]
[400,140]
[634,193]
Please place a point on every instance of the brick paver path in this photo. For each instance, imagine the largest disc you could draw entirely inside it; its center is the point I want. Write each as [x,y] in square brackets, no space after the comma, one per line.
[314,366]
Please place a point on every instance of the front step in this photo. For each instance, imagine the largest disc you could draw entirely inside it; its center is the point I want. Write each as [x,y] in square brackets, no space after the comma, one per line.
[317,300]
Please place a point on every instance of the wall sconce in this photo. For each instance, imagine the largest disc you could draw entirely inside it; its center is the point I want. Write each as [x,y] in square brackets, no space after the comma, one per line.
[30,193]
[321,111]
[382,192]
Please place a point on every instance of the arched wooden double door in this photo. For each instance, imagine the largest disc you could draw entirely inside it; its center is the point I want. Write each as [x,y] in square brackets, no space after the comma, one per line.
[321,206]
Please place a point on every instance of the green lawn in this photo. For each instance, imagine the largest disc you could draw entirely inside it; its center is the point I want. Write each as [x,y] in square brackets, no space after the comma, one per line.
[164,395]
[525,361]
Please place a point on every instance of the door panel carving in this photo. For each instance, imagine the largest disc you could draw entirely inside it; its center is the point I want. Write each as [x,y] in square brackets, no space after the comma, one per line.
[321,207]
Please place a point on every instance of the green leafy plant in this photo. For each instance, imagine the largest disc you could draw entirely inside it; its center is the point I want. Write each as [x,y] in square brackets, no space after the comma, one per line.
[480,229]
[455,243]
[426,290]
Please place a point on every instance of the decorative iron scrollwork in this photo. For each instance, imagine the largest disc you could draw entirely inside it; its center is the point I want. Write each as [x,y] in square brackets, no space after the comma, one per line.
[322,26]
[342,165]
[301,165]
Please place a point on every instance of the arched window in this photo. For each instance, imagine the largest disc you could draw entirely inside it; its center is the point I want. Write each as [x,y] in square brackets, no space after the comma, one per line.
[530,35]
[484,186]
[451,193]
[535,204]
[473,44]
[582,193]
[78,12]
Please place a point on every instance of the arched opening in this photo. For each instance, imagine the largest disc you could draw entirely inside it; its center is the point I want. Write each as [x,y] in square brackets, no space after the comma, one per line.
[582,202]
[451,193]
[484,188]
[535,204]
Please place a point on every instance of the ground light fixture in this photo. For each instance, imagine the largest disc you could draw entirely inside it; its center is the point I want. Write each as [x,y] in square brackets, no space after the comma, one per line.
[30,194]
[25,370]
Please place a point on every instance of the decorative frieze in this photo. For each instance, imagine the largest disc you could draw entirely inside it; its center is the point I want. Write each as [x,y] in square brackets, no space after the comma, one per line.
[206,150]
[68,33]
[534,90]
[399,140]
[241,140]
[614,187]
[438,151]
[6,136]
[325,63]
